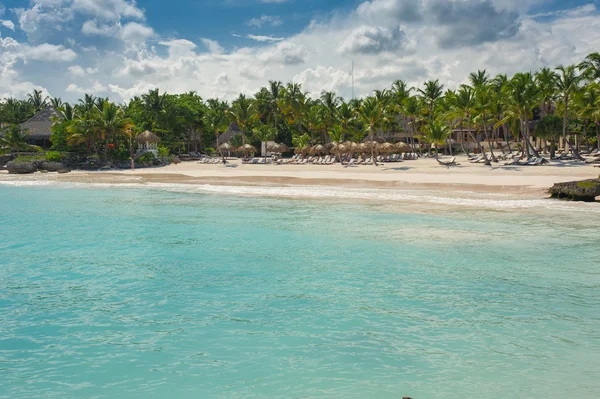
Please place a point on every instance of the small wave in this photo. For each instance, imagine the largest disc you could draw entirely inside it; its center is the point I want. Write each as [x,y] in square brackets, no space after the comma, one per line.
[462,199]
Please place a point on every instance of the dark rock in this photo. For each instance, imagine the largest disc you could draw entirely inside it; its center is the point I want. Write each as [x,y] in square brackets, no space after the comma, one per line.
[4,159]
[64,170]
[585,190]
[51,166]
[21,167]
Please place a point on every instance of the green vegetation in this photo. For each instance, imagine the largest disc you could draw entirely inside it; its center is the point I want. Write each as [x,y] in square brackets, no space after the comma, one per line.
[285,113]
[29,158]
[54,156]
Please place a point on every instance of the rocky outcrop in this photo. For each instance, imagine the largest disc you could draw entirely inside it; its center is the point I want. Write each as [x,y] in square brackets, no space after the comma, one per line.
[64,170]
[4,159]
[21,167]
[51,166]
[585,190]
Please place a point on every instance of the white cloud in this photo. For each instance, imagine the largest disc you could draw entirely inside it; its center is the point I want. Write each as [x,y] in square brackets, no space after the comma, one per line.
[92,27]
[135,32]
[8,24]
[261,38]
[414,40]
[49,52]
[265,20]
[372,40]
[96,88]
[212,45]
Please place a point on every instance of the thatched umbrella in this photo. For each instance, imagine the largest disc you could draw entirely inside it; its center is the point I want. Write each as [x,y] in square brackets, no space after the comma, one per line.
[247,148]
[302,150]
[226,147]
[403,147]
[386,147]
[272,147]
[351,147]
[318,149]
[362,147]
[283,148]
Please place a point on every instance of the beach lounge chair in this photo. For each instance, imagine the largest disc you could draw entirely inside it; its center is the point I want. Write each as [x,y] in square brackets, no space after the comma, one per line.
[449,163]
[477,160]
[514,161]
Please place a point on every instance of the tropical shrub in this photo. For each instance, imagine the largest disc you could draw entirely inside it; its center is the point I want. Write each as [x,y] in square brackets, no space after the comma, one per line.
[54,156]
[163,152]
[146,158]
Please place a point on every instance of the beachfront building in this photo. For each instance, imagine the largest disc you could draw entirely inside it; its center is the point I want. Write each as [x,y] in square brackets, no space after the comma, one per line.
[147,142]
[39,127]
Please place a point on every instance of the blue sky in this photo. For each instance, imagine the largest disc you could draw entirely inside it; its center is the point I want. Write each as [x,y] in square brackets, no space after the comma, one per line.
[121,48]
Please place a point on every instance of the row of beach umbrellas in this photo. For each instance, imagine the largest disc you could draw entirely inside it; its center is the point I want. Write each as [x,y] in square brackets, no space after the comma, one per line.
[271,147]
[347,147]
[353,148]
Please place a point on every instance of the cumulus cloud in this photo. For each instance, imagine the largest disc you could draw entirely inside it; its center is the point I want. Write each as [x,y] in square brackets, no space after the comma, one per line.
[372,40]
[212,45]
[8,24]
[414,40]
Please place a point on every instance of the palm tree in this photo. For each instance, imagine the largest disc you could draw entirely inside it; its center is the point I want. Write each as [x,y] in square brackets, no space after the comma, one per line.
[370,113]
[88,103]
[84,130]
[37,100]
[545,80]
[590,67]
[437,134]
[131,132]
[216,119]
[591,108]
[431,93]
[111,121]
[56,102]
[13,138]
[567,82]
[154,105]
[242,112]
[549,128]
[264,133]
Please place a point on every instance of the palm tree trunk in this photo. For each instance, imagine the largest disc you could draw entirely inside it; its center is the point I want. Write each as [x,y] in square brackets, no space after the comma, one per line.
[373,148]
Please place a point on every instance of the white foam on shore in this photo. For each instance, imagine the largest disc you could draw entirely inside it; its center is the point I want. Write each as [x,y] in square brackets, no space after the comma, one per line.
[441,198]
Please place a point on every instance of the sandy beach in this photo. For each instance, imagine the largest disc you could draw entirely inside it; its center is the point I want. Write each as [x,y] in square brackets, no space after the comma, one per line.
[425,173]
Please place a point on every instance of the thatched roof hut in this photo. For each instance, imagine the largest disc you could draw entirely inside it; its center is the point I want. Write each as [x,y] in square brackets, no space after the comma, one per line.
[147,137]
[40,125]
[231,131]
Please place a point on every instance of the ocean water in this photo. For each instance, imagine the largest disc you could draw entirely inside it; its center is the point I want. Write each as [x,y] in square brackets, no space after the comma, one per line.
[125,292]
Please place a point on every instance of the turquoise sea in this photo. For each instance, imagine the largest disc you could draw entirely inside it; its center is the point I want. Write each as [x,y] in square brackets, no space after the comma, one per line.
[148,292]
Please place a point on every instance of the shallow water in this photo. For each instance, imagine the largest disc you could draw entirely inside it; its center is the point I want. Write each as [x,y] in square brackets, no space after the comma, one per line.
[115,292]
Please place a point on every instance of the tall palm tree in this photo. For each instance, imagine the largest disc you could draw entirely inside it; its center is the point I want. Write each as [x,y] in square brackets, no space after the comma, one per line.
[242,112]
[87,103]
[264,133]
[431,93]
[154,105]
[590,67]
[370,113]
[216,119]
[436,133]
[567,82]
[545,80]
[84,131]
[37,100]
[591,108]
[111,121]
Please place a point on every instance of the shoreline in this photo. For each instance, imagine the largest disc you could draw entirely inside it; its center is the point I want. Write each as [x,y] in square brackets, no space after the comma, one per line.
[422,185]
[422,174]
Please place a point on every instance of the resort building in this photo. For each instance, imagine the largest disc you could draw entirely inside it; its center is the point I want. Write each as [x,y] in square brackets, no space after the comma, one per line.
[39,127]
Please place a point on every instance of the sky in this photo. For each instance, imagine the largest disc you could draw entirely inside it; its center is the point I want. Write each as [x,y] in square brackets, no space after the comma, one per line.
[220,48]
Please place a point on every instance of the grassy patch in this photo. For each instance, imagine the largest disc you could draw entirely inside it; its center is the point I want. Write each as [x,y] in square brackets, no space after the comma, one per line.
[587,184]
[29,158]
